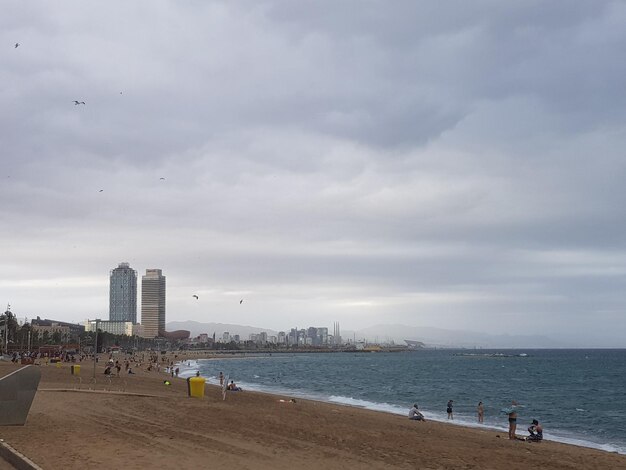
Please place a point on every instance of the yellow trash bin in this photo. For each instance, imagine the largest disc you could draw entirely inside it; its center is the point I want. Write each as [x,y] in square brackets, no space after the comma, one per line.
[195,387]
[75,369]
[59,364]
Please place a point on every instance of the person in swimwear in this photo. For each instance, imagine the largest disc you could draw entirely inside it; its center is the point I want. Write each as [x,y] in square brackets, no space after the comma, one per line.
[481,412]
[449,409]
[512,420]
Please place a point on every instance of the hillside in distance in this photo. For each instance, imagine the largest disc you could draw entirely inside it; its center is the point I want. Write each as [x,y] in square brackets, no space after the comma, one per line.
[450,338]
[197,328]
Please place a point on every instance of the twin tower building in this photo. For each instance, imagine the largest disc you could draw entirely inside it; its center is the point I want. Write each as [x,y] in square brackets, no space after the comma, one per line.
[123,299]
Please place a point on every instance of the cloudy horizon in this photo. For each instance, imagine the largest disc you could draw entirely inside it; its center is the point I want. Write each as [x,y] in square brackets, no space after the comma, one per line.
[452,165]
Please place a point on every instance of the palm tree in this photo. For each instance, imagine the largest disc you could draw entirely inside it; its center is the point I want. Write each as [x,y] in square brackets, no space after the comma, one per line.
[10,322]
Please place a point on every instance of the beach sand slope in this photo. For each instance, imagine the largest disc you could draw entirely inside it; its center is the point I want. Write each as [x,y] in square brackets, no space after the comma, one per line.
[78,430]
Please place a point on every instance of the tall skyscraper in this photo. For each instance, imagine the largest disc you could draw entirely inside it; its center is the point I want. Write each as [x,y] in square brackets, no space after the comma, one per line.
[123,294]
[153,303]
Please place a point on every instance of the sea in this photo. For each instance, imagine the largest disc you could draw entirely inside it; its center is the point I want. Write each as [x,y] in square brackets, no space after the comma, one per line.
[579,396]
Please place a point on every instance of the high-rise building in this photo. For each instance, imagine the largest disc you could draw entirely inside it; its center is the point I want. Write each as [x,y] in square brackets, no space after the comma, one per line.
[153,303]
[123,294]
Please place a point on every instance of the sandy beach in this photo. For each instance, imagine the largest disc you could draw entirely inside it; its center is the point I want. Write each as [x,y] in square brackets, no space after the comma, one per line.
[152,425]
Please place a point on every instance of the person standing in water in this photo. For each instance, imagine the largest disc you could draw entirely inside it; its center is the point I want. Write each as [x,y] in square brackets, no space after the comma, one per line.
[512,420]
[449,409]
[481,412]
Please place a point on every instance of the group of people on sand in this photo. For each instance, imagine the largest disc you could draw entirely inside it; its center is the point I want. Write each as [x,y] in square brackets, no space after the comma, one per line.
[535,430]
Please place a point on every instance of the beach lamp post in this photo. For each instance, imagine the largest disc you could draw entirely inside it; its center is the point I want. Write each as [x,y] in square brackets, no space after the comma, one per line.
[95,349]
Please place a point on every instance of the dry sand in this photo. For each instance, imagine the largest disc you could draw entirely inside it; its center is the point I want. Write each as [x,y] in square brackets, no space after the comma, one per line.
[86,430]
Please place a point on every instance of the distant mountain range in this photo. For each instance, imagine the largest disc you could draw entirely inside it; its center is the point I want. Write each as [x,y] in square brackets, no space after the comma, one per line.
[432,337]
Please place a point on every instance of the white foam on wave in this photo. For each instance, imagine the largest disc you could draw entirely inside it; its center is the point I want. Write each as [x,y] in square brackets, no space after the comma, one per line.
[369,405]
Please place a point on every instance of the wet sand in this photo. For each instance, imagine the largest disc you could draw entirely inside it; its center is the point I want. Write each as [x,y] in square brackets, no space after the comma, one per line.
[82,429]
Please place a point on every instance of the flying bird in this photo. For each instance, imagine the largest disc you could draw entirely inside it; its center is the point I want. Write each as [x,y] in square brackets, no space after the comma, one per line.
[76,102]
[194,295]
[162,178]
[101,190]
[17,44]
[241,301]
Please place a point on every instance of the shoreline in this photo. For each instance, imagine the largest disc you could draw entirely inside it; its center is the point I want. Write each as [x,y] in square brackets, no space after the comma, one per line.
[253,430]
[396,410]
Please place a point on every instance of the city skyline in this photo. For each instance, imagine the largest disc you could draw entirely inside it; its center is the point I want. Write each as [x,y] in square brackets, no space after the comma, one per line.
[427,164]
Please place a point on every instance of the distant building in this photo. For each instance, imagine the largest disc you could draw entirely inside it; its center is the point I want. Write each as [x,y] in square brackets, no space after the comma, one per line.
[153,303]
[282,338]
[123,294]
[113,327]
[62,332]
[236,338]
[138,330]
[336,334]
[69,330]
[203,338]
[226,337]
[322,334]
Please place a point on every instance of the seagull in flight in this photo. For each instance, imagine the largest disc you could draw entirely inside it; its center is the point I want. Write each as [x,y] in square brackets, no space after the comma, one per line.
[76,102]
[161,178]
[17,44]
[101,190]
[241,301]
[194,295]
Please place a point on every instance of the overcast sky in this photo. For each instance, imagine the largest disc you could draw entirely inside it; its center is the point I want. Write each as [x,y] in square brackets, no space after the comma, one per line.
[446,164]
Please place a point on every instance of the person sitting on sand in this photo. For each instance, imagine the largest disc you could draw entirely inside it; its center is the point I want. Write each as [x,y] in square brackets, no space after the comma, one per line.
[232,386]
[535,431]
[107,370]
[414,414]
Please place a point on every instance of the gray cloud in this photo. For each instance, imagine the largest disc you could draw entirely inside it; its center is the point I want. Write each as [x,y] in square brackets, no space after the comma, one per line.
[437,165]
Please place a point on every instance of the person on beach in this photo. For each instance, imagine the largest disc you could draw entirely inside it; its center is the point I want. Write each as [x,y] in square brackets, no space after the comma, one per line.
[232,386]
[449,409]
[415,414]
[221,379]
[512,420]
[481,412]
[536,432]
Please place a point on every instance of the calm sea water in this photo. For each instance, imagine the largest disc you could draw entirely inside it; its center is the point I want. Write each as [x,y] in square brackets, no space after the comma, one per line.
[578,395]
